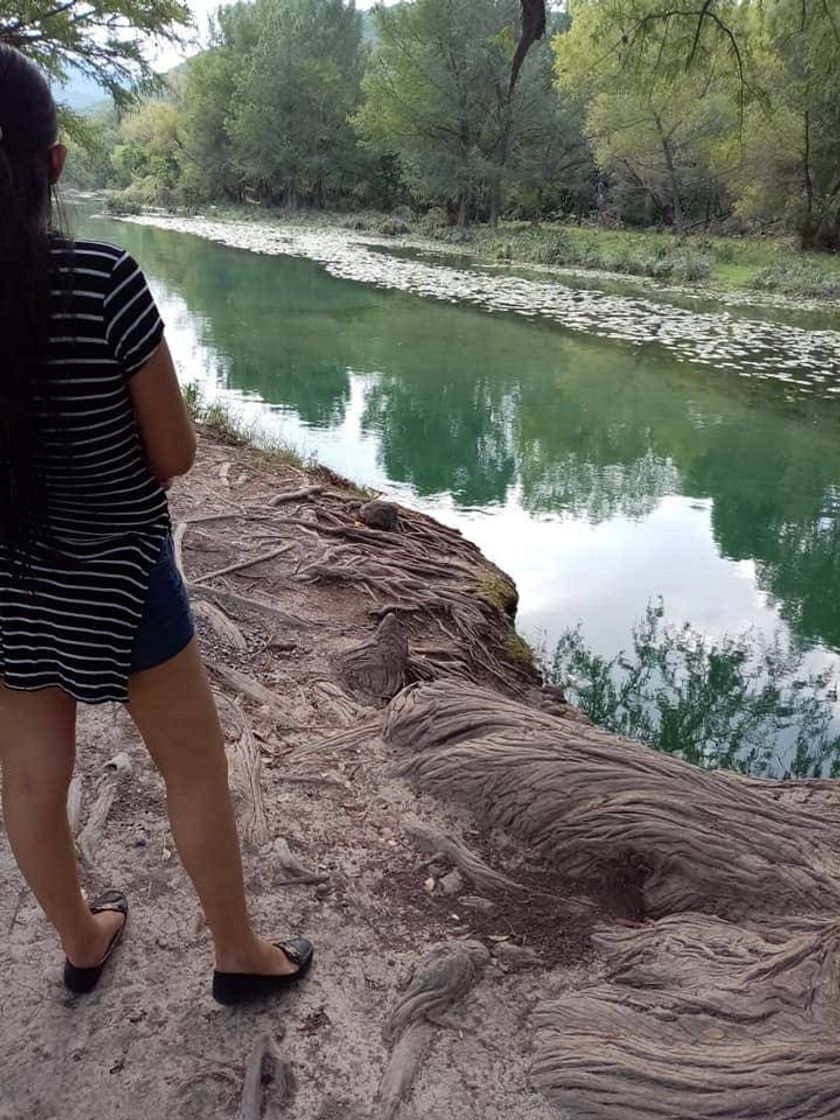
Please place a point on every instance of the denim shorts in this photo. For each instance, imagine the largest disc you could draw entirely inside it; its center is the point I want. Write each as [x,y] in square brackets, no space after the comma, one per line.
[167,623]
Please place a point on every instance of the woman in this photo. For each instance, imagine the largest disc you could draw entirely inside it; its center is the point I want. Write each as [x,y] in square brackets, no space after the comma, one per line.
[92,607]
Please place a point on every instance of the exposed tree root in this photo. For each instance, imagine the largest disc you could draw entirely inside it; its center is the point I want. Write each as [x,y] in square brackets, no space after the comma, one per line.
[702,1019]
[588,802]
[443,978]
[269,1084]
[231,598]
[245,778]
[378,668]
[91,835]
[243,565]
[246,686]
[459,855]
[725,1008]
[222,624]
[301,495]
[296,871]
[425,571]
[74,805]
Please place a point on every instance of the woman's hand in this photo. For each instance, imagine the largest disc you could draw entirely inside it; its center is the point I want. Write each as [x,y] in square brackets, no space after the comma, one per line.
[162,417]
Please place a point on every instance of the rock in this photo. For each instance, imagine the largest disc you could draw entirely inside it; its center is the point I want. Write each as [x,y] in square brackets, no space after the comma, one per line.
[451,884]
[429,885]
[380,515]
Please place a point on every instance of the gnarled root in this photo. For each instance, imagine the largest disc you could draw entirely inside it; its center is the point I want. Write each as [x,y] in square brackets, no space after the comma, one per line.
[725,1008]
[269,1084]
[377,669]
[443,978]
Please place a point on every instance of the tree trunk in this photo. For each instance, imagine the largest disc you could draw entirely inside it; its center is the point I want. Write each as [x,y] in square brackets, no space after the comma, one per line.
[673,185]
[463,209]
[718,998]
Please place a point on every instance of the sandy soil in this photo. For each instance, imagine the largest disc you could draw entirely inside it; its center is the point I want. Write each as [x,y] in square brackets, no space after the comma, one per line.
[309,769]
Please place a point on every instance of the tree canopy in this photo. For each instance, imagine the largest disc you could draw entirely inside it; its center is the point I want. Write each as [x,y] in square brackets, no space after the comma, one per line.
[685,116]
[107,40]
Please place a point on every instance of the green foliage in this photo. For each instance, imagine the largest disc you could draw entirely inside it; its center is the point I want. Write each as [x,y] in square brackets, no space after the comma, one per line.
[723,117]
[291,137]
[436,96]
[798,279]
[743,703]
[106,40]
[120,206]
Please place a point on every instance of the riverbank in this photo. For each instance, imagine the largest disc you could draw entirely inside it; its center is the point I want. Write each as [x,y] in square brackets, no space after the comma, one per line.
[754,271]
[722,335]
[482,870]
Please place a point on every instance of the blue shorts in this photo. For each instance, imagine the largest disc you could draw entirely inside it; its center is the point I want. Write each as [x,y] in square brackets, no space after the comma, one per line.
[167,623]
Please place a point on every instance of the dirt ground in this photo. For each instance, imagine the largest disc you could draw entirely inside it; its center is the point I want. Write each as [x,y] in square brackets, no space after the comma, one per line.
[336,846]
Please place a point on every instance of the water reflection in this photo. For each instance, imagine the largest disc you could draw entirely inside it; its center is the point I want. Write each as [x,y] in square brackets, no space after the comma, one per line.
[600,473]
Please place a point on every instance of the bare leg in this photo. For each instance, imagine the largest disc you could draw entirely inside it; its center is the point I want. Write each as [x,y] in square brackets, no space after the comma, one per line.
[173,708]
[37,753]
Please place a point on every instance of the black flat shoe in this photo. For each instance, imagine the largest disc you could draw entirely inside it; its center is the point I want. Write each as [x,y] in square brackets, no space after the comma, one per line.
[83,980]
[241,987]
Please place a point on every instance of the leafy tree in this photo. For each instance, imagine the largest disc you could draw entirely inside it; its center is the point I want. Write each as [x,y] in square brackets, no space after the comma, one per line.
[788,164]
[107,40]
[149,155]
[653,129]
[209,88]
[293,97]
[438,95]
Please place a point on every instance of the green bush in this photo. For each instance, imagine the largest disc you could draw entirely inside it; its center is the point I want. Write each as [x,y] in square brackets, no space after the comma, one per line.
[433,220]
[121,207]
[797,279]
[392,227]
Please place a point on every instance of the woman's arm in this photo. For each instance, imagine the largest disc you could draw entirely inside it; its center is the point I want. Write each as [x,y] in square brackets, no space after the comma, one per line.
[165,426]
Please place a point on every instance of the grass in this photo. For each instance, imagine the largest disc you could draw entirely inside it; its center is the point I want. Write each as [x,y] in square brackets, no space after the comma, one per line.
[499,591]
[219,422]
[521,651]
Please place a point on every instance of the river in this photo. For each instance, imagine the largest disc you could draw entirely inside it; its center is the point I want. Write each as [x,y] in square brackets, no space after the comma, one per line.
[599,468]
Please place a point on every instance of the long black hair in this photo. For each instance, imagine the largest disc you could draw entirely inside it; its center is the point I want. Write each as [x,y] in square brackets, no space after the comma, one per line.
[28,130]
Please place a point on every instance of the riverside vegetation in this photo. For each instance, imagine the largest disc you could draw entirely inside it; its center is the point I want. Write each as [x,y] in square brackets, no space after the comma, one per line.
[623,118]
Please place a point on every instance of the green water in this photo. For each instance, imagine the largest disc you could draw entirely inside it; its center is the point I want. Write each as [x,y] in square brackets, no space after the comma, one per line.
[599,474]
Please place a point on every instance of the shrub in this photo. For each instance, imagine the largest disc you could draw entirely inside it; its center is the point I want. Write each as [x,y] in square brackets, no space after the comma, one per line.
[121,207]
[797,279]
[392,227]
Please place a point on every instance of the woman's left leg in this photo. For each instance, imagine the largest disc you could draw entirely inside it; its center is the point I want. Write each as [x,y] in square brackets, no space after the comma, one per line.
[37,754]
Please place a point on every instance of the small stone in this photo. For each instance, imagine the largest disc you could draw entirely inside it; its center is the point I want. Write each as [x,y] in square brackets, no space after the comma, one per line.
[429,885]
[451,883]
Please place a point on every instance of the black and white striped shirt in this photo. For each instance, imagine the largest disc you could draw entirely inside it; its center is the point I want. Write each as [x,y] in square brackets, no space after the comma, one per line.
[73,620]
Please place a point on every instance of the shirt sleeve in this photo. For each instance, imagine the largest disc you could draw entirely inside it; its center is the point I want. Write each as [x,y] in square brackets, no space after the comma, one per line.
[133,326]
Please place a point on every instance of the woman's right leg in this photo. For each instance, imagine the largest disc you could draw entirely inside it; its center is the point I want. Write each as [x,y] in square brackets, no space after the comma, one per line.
[173,708]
